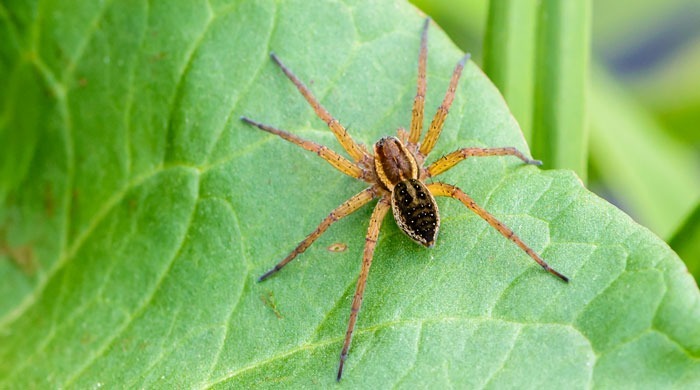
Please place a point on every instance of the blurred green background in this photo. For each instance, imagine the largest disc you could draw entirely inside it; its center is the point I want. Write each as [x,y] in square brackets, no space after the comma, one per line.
[642,103]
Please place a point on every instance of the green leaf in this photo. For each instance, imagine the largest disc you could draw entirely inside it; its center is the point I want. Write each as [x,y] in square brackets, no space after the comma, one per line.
[652,174]
[142,210]
[686,242]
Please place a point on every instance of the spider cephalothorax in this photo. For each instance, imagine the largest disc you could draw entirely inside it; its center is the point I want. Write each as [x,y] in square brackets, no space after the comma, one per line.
[397,177]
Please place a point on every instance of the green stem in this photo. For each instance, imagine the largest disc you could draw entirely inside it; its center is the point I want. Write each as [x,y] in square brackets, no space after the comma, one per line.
[509,51]
[561,74]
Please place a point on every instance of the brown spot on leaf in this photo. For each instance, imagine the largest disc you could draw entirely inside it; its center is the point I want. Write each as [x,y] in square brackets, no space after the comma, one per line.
[338,247]
[21,255]
[269,301]
[158,56]
[49,200]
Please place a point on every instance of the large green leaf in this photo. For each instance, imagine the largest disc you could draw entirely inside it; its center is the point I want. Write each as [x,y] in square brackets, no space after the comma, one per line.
[137,212]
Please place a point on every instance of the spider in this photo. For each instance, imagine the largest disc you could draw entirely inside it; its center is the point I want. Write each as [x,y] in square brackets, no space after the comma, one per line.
[397,176]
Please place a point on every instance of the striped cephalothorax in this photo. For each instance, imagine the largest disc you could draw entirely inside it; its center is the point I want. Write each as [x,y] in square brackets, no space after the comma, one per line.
[396,175]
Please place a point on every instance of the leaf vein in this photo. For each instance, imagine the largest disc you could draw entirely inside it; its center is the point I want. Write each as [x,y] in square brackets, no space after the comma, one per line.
[244,91]
[109,341]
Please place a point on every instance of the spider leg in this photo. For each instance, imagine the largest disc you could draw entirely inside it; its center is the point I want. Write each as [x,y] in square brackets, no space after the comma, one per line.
[447,162]
[353,148]
[370,242]
[439,119]
[419,101]
[348,207]
[442,189]
[339,162]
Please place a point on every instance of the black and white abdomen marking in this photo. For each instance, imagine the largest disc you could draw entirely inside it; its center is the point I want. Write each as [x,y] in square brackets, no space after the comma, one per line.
[415,211]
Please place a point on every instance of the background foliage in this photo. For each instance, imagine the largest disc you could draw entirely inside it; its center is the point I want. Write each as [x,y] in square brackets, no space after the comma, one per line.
[643,102]
[136,212]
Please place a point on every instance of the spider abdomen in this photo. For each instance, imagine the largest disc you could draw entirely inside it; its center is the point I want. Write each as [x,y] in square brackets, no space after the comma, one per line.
[415,211]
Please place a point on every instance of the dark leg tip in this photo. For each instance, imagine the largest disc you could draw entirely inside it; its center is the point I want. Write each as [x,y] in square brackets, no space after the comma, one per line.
[340,366]
[558,275]
[248,120]
[464,59]
[268,273]
[340,372]
[264,276]
[554,272]
[535,162]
